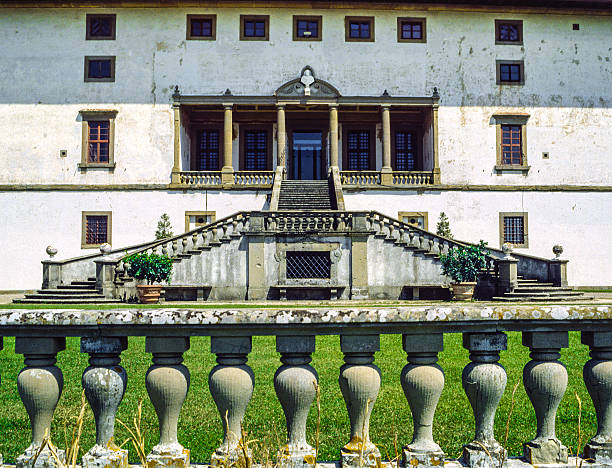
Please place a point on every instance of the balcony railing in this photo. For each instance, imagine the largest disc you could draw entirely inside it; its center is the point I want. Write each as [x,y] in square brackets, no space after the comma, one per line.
[197,178]
[412,178]
[360,177]
[259,179]
[374,178]
[41,335]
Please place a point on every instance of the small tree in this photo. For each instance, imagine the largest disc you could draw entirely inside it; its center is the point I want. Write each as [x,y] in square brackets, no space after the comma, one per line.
[462,264]
[164,228]
[443,226]
[150,267]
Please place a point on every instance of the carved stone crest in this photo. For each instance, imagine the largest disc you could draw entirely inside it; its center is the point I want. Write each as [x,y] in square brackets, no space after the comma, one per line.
[307,85]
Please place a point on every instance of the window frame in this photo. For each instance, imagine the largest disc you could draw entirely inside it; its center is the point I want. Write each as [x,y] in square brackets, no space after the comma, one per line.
[318,19]
[264,18]
[511,119]
[369,127]
[195,132]
[213,28]
[109,230]
[88,19]
[242,157]
[414,214]
[499,23]
[347,28]
[498,65]
[189,214]
[515,214]
[90,115]
[423,22]
[89,58]
[418,160]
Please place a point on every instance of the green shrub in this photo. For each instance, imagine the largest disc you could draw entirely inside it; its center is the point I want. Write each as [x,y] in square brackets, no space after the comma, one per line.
[463,264]
[164,228]
[151,267]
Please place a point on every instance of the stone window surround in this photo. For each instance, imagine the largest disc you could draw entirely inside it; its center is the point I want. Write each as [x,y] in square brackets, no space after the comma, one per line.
[189,214]
[109,230]
[423,22]
[511,119]
[308,245]
[498,80]
[401,215]
[524,215]
[91,16]
[86,61]
[318,19]
[500,22]
[347,28]
[213,20]
[265,18]
[93,115]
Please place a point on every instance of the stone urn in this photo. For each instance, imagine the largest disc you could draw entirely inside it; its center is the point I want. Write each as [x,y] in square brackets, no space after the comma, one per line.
[149,293]
[463,291]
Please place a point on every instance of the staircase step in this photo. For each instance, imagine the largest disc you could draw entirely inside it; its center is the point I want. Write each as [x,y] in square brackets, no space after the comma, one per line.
[540,289]
[63,296]
[98,300]
[80,287]
[66,292]
[541,299]
[83,283]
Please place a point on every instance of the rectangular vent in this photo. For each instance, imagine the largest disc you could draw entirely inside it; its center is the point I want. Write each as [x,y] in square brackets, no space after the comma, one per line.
[308,265]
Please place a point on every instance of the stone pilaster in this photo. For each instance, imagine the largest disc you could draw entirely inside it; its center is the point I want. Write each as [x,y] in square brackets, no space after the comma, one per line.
[386,177]
[333,135]
[227,171]
[281,136]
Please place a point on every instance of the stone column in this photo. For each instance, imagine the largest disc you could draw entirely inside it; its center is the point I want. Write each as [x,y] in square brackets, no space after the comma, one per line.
[40,385]
[104,382]
[484,382]
[386,178]
[227,171]
[176,168]
[167,382]
[231,385]
[423,380]
[296,384]
[105,276]
[436,152]
[360,383]
[545,380]
[333,135]
[598,379]
[281,136]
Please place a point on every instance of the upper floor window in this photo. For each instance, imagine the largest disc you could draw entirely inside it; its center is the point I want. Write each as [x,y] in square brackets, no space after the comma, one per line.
[359,28]
[256,149]
[208,150]
[307,28]
[98,138]
[511,135]
[254,27]
[358,150]
[411,30]
[201,27]
[100,27]
[100,68]
[511,146]
[510,72]
[508,32]
[98,141]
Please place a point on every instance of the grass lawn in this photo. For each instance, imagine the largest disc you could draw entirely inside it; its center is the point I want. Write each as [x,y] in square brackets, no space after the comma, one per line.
[200,426]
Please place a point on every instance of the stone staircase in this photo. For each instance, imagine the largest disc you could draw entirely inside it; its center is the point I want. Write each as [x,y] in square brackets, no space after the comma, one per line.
[77,292]
[305,195]
[531,290]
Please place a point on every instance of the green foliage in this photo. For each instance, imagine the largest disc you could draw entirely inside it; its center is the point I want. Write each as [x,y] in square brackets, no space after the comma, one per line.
[443,226]
[151,267]
[164,228]
[462,264]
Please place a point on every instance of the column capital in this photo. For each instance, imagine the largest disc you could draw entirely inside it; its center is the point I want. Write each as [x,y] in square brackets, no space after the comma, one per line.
[228,106]
[385,107]
[280,106]
[333,105]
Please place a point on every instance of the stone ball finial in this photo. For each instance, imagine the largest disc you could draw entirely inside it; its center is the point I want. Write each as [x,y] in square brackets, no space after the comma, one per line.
[105,248]
[51,251]
[507,249]
[557,250]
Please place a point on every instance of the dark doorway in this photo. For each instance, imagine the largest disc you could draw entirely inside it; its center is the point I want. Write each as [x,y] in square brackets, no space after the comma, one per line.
[307,162]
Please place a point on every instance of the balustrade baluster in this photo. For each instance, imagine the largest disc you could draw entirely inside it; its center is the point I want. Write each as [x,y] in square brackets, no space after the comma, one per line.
[215,236]
[341,226]
[175,248]
[423,380]
[104,382]
[391,234]
[194,242]
[231,385]
[165,249]
[360,383]
[225,236]
[545,380]
[167,383]
[272,221]
[40,385]
[295,383]
[235,234]
[484,381]
[415,240]
[598,380]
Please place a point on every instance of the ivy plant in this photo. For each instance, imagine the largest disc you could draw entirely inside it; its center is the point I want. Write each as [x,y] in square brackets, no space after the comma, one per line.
[150,267]
[462,264]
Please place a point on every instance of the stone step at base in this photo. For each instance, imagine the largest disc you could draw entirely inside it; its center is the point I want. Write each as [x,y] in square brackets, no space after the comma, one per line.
[80,287]
[91,283]
[63,296]
[540,289]
[542,299]
[100,300]
[67,292]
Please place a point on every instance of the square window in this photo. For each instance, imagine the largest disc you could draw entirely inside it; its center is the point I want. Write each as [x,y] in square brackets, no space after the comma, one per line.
[509,32]
[415,218]
[100,69]
[100,27]
[98,139]
[195,219]
[411,30]
[510,72]
[359,28]
[513,229]
[307,28]
[95,228]
[254,28]
[201,27]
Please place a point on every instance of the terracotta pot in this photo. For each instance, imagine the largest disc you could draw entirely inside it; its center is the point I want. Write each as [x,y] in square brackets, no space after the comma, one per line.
[463,291]
[149,293]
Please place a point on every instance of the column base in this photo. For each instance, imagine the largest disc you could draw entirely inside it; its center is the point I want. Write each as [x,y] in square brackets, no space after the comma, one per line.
[292,456]
[427,459]
[475,455]
[169,457]
[44,460]
[360,293]
[599,453]
[231,459]
[540,452]
[103,457]
[370,457]
[386,176]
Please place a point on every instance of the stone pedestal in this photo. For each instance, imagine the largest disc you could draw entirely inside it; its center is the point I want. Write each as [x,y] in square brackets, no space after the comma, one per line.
[508,275]
[557,272]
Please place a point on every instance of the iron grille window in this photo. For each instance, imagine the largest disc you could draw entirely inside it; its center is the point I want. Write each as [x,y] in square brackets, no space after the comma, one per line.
[308,265]
[100,27]
[358,150]
[96,229]
[307,28]
[514,229]
[412,30]
[508,31]
[208,150]
[98,141]
[404,151]
[359,29]
[510,73]
[256,150]
[511,144]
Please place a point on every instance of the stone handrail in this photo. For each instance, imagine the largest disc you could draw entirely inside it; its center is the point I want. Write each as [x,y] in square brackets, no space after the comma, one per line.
[191,178]
[360,177]
[313,222]
[259,178]
[412,177]
[41,335]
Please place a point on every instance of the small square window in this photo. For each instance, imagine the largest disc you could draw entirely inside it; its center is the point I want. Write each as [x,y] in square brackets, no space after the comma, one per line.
[96,228]
[415,218]
[100,69]
[100,27]
[254,28]
[359,28]
[513,229]
[307,28]
[510,72]
[411,30]
[201,27]
[508,32]
[195,219]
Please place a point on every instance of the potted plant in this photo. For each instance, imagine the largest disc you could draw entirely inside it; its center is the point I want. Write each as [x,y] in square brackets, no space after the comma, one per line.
[463,264]
[154,269]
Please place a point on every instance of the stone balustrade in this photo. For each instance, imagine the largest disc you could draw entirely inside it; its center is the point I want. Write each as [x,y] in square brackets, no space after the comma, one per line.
[398,178]
[41,336]
[260,179]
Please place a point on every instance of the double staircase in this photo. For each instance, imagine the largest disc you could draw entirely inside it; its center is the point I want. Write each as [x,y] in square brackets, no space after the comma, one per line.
[305,195]
[531,290]
[77,292]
